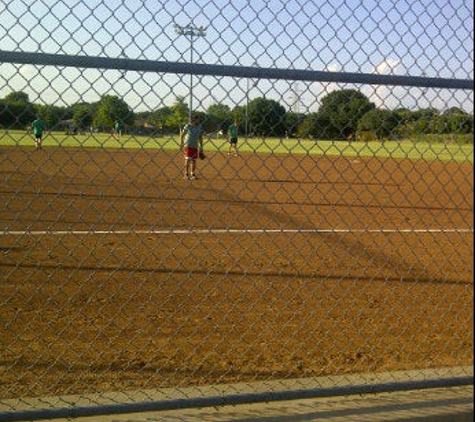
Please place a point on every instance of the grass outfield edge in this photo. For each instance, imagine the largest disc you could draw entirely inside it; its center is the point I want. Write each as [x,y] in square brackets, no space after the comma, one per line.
[404,149]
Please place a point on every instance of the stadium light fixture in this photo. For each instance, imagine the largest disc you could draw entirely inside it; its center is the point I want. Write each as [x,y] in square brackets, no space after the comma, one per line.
[192,32]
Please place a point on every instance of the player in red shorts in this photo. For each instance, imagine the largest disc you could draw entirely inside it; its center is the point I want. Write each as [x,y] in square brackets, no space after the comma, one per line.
[192,143]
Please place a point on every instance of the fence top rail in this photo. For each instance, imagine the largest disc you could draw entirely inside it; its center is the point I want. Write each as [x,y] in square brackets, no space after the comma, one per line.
[45,59]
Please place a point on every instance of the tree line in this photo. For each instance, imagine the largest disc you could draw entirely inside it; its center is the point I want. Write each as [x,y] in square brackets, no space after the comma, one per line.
[343,114]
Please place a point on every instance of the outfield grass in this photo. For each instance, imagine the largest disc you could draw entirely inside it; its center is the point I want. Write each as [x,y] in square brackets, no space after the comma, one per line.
[395,149]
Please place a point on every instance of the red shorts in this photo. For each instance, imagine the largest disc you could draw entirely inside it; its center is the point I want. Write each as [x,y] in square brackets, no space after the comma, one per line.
[191,153]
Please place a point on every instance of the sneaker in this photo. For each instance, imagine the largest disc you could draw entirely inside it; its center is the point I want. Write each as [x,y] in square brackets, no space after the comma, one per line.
[193,177]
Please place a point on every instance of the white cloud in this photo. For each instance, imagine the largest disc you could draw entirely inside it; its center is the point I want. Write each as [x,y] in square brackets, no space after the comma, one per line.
[383,96]
[387,67]
[27,70]
[333,68]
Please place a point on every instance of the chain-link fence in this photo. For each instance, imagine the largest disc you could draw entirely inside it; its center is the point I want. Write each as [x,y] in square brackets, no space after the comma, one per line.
[324,242]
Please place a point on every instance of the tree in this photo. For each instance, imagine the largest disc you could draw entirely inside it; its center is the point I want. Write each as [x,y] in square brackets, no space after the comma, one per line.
[343,109]
[381,122]
[16,110]
[51,115]
[110,109]
[160,117]
[157,119]
[219,118]
[424,121]
[82,116]
[267,117]
[17,97]
[316,127]
[179,114]
[455,121]
[292,122]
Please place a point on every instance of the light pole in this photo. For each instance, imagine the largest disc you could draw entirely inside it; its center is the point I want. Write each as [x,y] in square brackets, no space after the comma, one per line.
[247,109]
[191,31]
[254,84]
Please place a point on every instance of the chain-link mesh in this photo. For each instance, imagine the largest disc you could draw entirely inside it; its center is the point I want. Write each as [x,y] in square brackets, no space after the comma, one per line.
[328,231]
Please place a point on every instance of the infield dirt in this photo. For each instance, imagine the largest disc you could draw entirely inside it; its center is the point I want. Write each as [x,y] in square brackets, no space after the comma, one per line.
[117,274]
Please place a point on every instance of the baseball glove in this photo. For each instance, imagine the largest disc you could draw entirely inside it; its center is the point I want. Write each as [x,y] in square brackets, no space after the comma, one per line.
[202,155]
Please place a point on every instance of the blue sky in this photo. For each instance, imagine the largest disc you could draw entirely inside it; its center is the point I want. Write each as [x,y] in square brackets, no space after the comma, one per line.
[404,37]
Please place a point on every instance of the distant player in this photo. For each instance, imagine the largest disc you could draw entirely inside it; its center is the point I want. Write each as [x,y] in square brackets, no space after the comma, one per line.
[38,127]
[233,138]
[192,143]
[118,129]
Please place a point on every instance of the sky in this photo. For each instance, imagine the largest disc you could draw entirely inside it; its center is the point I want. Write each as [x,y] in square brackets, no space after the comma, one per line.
[431,38]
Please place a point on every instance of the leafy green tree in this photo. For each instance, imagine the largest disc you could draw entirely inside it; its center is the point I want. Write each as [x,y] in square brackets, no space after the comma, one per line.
[381,122]
[179,114]
[267,117]
[159,118]
[17,97]
[424,121]
[343,109]
[219,117]
[239,113]
[82,116]
[455,121]
[110,109]
[51,115]
[8,115]
[403,114]
[16,110]
[292,122]
[316,127]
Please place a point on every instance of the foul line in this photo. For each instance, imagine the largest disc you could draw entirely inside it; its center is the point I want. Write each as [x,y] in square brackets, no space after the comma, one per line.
[223,231]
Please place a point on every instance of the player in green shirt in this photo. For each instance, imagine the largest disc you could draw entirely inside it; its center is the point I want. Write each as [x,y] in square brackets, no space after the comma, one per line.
[118,128]
[233,138]
[38,127]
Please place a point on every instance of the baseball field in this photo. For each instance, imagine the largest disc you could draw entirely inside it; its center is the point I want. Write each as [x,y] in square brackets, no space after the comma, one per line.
[117,274]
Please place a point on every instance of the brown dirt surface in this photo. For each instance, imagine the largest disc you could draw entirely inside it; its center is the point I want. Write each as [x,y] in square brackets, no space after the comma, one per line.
[117,274]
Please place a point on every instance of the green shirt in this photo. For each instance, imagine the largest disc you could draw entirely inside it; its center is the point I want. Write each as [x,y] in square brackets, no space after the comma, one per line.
[233,131]
[38,127]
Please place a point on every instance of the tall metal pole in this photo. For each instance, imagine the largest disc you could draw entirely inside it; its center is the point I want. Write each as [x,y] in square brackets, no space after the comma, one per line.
[247,104]
[190,111]
[191,31]
[247,109]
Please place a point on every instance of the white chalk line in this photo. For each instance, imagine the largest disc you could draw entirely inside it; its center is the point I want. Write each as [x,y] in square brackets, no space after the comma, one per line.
[227,231]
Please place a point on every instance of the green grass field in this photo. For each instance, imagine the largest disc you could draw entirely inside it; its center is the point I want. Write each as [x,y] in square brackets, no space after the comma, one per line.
[445,151]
